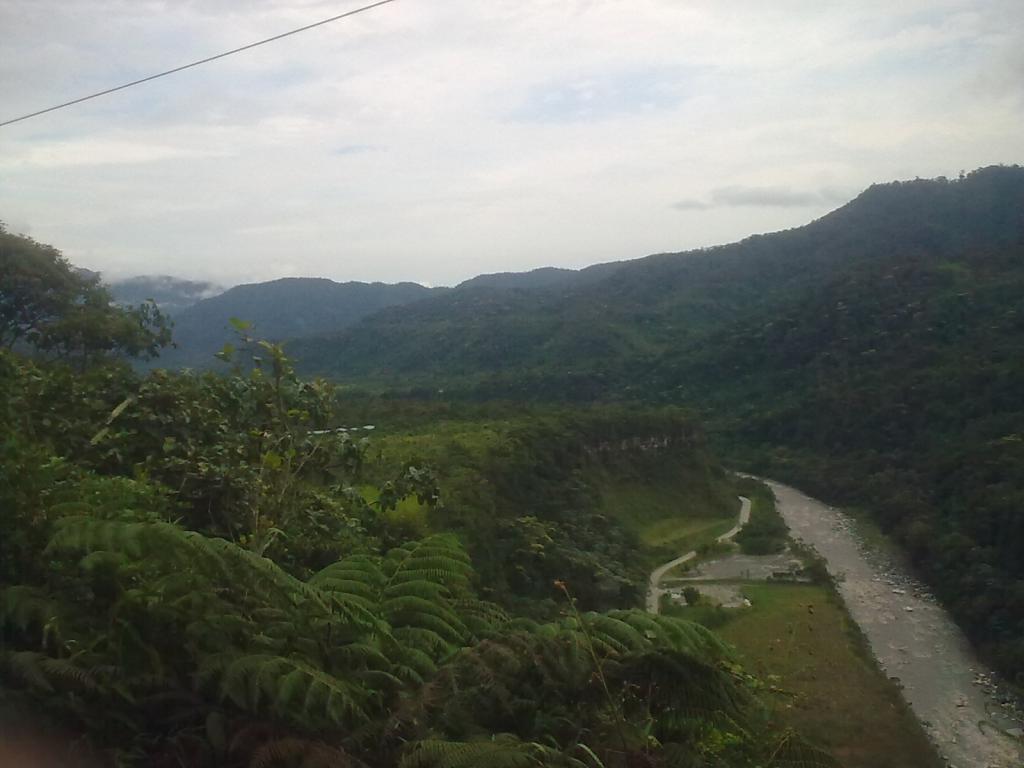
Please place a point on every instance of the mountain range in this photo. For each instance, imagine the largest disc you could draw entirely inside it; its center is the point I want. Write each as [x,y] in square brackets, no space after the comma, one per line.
[171,294]
[588,330]
[277,310]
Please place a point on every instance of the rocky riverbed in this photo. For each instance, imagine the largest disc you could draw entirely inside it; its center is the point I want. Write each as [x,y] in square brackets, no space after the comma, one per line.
[973,722]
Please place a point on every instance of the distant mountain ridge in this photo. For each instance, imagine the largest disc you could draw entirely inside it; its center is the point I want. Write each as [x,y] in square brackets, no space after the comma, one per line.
[278,310]
[566,326]
[171,294]
[542,278]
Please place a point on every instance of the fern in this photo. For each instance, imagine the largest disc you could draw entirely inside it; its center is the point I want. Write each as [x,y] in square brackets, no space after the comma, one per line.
[301,752]
[49,674]
[481,617]
[499,752]
[439,559]
[289,688]
[30,609]
[794,752]
[358,577]
[184,555]
[383,650]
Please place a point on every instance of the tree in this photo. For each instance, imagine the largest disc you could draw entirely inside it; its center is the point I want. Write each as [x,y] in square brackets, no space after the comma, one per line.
[37,285]
[46,304]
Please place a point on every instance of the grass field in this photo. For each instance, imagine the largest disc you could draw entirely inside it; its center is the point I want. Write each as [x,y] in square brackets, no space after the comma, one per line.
[829,688]
[672,513]
[684,533]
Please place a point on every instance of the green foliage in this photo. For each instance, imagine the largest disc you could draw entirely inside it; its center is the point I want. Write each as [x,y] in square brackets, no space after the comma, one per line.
[538,499]
[498,752]
[47,305]
[252,457]
[161,629]
[142,609]
[36,285]
[766,533]
[276,310]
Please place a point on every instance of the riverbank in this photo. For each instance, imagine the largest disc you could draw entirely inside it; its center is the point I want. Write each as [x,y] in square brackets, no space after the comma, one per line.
[913,639]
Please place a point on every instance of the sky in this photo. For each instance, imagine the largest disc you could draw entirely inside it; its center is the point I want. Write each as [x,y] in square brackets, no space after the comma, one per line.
[433,140]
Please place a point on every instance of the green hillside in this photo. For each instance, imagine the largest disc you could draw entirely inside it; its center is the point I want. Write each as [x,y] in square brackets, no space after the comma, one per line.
[583,336]
[279,309]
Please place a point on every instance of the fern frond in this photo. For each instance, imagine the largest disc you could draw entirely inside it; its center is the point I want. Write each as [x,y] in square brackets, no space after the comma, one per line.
[47,673]
[27,608]
[357,575]
[290,688]
[218,561]
[303,752]
[25,665]
[481,617]
[674,634]
[424,640]
[439,558]
[499,752]
[794,752]
[360,656]
[411,664]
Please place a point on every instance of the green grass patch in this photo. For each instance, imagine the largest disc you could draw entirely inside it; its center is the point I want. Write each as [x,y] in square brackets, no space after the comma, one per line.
[672,510]
[681,534]
[828,685]
[409,517]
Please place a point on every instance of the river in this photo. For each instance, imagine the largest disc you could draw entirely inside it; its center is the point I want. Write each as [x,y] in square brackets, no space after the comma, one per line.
[913,639]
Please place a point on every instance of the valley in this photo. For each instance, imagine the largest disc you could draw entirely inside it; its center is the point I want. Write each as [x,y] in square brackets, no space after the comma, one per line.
[550,384]
[474,535]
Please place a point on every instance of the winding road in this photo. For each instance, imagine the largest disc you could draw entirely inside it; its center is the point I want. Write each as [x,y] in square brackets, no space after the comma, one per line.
[654,590]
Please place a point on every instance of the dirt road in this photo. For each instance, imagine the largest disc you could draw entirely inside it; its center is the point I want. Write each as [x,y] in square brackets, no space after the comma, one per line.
[654,591]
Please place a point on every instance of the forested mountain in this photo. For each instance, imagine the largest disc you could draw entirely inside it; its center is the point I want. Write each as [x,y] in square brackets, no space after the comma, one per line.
[537,278]
[279,309]
[171,294]
[899,385]
[597,323]
[545,277]
[872,356]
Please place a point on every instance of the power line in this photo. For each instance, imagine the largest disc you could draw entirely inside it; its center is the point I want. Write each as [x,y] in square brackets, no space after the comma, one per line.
[197,63]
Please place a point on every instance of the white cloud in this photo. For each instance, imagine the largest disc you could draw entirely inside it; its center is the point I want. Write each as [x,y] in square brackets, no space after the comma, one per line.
[432,141]
[61,154]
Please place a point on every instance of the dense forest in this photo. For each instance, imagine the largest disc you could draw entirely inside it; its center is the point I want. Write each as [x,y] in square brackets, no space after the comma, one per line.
[872,357]
[280,309]
[221,570]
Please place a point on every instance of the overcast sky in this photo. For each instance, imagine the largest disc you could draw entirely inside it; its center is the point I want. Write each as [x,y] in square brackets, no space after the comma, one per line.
[432,140]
